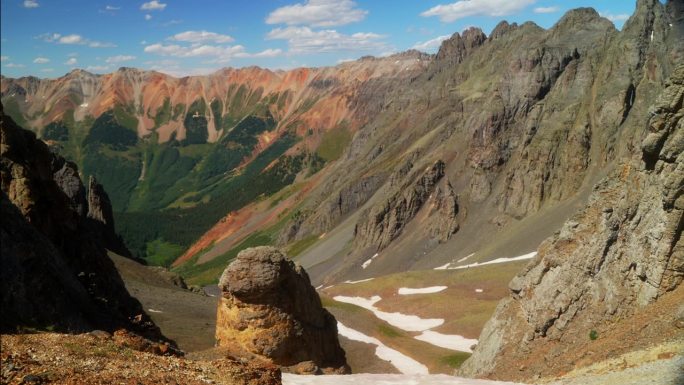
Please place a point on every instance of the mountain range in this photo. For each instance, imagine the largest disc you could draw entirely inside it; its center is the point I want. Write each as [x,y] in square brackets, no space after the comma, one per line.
[566,140]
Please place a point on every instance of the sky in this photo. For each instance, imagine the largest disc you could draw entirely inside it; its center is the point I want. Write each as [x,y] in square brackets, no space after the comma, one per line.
[49,38]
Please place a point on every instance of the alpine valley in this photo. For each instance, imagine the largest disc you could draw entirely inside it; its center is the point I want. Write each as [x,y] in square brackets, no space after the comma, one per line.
[509,208]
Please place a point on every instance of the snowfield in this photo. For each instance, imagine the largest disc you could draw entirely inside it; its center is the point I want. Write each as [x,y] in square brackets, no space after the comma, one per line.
[447,341]
[359,281]
[425,290]
[409,323]
[403,363]
[492,262]
[385,379]
[369,261]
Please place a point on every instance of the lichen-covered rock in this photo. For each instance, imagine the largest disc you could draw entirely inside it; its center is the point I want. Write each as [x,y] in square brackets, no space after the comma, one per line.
[269,308]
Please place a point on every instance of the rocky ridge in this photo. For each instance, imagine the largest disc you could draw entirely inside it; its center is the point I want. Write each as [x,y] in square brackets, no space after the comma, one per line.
[56,272]
[269,311]
[619,254]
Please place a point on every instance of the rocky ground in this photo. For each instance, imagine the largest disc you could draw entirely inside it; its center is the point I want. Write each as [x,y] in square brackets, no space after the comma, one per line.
[100,358]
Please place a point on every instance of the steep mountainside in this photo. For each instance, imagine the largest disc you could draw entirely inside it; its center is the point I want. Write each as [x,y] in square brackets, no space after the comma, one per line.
[55,269]
[199,147]
[405,161]
[620,254]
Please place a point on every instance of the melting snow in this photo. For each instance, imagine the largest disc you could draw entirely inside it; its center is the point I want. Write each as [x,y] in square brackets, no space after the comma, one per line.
[386,379]
[447,341]
[492,262]
[359,281]
[154,311]
[479,290]
[425,290]
[368,262]
[84,105]
[410,323]
[403,363]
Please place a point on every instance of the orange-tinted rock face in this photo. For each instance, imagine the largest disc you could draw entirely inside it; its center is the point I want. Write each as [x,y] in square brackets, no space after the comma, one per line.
[303,95]
[269,309]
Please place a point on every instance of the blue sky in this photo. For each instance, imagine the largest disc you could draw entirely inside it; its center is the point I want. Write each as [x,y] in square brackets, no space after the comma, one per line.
[48,38]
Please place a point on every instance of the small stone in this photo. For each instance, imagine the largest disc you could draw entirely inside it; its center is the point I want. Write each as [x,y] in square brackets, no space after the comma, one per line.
[32,379]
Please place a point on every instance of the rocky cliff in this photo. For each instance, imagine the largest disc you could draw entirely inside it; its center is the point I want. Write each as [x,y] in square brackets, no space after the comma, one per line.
[622,253]
[55,269]
[269,309]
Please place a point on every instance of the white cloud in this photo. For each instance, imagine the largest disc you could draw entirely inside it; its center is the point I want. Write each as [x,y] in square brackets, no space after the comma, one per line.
[614,18]
[461,9]
[153,5]
[48,37]
[148,17]
[71,39]
[4,58]
[31,4]
[97,68]
[270,52]
[318,13]
[41,60]
[303,39]
[546,9]
[201,37]
[99,44]
[430,45]
[223,53]
[71,62]
[112,8]
[14,65]
[119,59]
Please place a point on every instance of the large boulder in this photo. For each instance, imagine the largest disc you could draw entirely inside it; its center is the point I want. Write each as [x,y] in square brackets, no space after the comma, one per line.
[268,308]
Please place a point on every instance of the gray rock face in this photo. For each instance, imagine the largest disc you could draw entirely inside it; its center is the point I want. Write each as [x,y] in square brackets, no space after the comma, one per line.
[443,214]
[269,309]
[99,205]
[386,220]
[101,218]
[67,178]
[622,252]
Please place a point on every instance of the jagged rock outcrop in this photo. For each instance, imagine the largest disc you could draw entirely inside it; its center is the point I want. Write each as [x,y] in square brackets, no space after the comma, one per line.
[385,221]
[102,217]
[458,46]
[55,271]
[443,216]
[619,254]
[269,311]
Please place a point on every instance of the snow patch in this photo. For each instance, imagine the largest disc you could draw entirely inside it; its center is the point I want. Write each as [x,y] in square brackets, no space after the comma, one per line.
[425,290]
[447,341]
[368,262]
[319,287]
[492,262]
[479,290]
[446,265]
[386,379]
[359,281]
[154,311]
[409,323]
[84,105]
[403,363]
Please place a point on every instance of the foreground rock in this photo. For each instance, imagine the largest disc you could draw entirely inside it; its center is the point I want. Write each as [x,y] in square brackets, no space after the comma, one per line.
[270,311]
[100,358]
